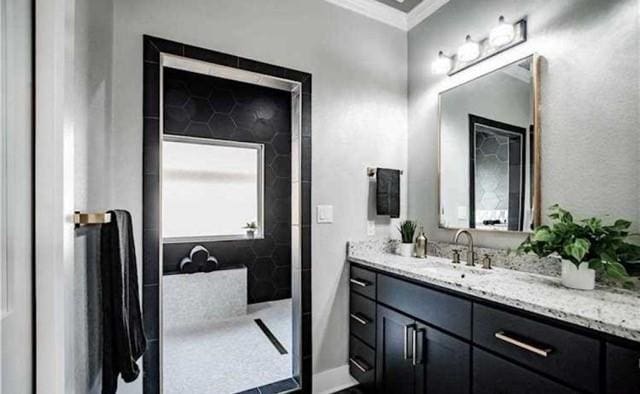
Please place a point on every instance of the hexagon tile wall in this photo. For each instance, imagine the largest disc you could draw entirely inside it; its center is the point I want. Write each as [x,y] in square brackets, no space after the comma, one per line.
[208,107]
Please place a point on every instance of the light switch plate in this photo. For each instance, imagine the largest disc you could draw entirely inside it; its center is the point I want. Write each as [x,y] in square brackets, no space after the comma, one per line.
[325,213]
[371,228]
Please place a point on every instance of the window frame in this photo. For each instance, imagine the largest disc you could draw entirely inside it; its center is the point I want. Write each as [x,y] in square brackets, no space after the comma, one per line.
[260,185]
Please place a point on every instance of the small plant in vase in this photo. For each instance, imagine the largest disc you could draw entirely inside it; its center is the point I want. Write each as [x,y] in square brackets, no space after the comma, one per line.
[407,230]
[585,246]
[251,228]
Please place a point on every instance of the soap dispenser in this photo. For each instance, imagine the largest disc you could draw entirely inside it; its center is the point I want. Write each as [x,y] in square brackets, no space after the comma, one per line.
[421,245]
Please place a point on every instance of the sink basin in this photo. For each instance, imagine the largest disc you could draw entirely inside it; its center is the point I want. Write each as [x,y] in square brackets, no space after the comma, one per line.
[458,271]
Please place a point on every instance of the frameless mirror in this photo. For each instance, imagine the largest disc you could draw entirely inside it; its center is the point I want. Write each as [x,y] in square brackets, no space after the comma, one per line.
[211,189]
[488,151]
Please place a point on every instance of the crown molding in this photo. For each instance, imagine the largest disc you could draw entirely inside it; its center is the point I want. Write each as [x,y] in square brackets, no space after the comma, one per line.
[422,11]
[389,15]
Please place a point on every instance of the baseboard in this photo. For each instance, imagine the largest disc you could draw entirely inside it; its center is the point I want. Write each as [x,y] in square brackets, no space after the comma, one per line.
[333,380]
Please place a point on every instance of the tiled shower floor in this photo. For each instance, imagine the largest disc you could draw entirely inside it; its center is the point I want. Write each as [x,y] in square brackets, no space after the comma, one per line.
[228,356]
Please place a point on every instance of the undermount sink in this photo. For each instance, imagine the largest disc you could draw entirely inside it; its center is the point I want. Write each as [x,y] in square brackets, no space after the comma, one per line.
[459,270]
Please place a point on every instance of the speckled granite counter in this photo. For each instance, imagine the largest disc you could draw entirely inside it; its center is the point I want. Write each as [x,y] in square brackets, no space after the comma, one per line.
[609,310]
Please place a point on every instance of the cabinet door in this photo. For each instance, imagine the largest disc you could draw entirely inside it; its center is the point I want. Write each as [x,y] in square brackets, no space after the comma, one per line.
[442,363]
[493,375]
[394,352]
[623,370]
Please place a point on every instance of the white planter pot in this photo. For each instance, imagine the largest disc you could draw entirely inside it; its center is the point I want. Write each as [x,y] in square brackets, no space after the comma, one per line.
[405,250]
[251,234]
[583,278]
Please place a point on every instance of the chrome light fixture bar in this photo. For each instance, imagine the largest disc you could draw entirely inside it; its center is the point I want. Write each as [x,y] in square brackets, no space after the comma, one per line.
[502,37]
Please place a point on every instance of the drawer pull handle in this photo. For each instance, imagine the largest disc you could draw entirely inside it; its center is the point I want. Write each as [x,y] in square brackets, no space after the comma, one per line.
[360,319]
[359,365]
[359,282]
[501,335]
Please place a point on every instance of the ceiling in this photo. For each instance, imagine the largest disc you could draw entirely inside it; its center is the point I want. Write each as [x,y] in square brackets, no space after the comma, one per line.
[405,6]
[402,15]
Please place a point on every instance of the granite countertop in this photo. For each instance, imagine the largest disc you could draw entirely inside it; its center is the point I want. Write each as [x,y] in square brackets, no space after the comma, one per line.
[609,310]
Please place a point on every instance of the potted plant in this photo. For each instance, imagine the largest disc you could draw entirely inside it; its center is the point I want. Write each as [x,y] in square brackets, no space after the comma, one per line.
[585,246]
[251,228]
[407,230]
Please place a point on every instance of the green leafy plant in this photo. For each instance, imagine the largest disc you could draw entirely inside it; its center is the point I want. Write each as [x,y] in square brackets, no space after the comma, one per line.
[251,226]
[604,247]
[407,231]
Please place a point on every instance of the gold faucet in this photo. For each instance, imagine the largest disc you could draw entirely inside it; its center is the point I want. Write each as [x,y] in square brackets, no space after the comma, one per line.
[471,255]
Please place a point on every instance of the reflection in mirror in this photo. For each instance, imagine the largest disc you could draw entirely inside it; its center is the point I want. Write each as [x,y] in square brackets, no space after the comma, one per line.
[211,188]
[488,151]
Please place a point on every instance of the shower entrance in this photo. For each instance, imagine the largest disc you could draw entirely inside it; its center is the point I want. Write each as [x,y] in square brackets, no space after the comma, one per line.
[227,182]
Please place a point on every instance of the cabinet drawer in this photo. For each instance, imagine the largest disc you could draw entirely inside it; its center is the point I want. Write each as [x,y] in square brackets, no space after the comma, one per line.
[361,363]
[493,375]
[362,318]
[570,357]
[623,370]
[439,309]
[363,281]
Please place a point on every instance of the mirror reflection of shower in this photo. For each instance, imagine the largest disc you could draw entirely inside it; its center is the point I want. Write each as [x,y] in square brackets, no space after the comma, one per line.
[230,240]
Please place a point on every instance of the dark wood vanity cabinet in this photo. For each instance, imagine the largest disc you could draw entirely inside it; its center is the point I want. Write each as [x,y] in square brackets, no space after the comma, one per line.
[414,358]
[410,338]
[623,369]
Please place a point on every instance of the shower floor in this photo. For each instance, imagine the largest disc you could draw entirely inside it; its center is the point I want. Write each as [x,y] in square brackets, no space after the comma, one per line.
[228,356]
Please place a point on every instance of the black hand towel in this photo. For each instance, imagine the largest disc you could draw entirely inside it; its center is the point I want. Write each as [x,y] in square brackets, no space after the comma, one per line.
[388,192]
[123,334]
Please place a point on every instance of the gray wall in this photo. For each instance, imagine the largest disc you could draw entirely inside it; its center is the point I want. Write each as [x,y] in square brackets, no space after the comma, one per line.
[92,133]
[359,114]
[590,101]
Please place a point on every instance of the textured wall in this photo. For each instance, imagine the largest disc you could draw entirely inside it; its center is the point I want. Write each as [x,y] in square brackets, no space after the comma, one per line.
[203,106]
[590,101]
[359,114]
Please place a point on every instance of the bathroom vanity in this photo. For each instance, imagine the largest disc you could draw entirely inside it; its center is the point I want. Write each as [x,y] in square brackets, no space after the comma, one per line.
[428,326]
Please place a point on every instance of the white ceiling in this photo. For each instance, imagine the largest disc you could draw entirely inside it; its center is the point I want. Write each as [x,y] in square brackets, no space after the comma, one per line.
[396,15]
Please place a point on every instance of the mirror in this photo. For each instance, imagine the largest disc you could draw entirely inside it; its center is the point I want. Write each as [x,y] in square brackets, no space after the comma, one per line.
[211,188]
[488,151]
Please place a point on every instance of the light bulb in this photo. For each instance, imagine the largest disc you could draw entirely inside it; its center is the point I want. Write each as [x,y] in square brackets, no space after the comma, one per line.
[502,34]
[442,64]
[469,51]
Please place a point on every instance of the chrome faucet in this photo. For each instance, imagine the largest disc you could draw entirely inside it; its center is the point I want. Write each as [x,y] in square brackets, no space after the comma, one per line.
[471,255]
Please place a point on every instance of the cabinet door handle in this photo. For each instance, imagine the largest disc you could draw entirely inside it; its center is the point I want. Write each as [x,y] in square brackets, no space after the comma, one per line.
[360,282]
[544,352]
[408,327]
[360,319]
[358,364]
[420,337]
[414,350]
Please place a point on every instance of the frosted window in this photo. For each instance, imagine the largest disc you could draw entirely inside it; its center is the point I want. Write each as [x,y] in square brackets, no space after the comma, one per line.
[210,189]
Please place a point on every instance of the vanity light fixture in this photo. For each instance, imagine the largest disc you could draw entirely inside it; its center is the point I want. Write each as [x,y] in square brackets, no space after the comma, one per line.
[502,37]
[442,64]
[469,51]
[502,34]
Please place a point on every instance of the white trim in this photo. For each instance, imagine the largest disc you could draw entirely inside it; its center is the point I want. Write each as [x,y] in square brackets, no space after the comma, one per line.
[375,10]
[422,11]
[389,15]
[333,380]
[54,252]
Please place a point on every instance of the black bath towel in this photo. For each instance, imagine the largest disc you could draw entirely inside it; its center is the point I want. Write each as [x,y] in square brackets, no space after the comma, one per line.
[123,334]
[388,192]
